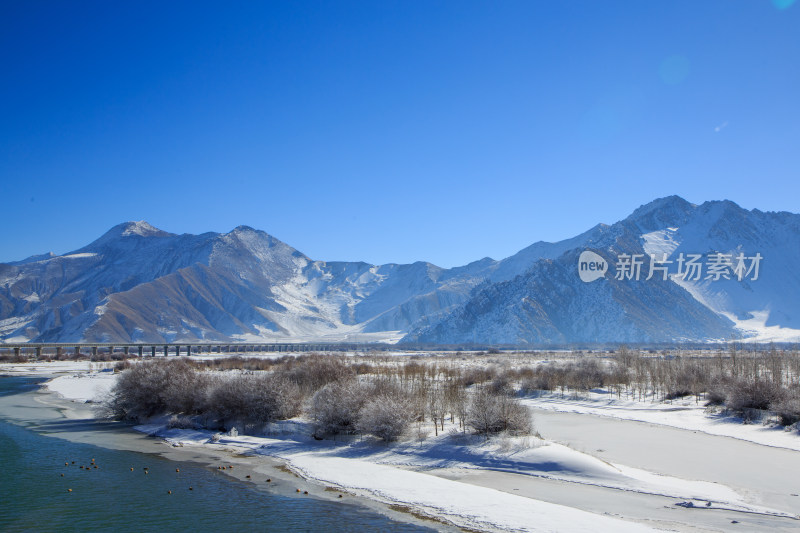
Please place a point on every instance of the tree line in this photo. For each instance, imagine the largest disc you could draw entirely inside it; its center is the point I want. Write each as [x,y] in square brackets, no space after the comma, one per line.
[340,395]
[747,382]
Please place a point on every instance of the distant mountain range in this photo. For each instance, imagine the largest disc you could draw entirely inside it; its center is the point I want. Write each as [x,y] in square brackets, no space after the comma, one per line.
[137,283]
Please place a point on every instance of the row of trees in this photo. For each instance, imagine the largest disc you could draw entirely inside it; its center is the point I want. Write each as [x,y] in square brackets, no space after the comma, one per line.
[173,386]
[383,395]
[745,382]
[340,395]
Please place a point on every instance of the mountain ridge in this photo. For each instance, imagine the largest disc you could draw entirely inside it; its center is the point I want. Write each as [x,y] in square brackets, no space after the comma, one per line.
[138,283]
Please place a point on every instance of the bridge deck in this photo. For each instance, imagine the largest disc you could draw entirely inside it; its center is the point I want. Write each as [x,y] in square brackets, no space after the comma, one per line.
[187,348]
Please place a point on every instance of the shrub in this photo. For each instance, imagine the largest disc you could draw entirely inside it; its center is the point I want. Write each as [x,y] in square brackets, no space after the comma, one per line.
[501,385]
[255,400]
[717,392]
[544,379]
[335,407]
[788,408]
[587,374]
[478,375]
[689,379]
[172,386]
[386,415]
[753,394]
[188,392]
[143,390]
[315,371]
[492,413]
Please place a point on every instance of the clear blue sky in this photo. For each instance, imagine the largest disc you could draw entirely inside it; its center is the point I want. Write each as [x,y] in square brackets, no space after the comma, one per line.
[389,131]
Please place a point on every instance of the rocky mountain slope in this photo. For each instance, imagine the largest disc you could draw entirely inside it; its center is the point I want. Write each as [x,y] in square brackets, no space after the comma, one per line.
[138,283]
[549,302]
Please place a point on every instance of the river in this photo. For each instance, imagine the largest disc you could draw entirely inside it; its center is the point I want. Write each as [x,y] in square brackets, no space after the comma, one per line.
[49,483]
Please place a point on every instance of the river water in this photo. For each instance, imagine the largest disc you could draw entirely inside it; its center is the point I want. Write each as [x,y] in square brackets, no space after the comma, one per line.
[51,484]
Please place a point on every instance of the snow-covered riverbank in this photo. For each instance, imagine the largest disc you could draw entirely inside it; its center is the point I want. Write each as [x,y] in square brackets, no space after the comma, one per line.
[387,474]
[510,484]
[684,413]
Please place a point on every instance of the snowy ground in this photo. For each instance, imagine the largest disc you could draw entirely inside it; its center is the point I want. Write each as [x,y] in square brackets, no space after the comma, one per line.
[45,368]
[84,386]
[407,473]
[527,483]
[685,413]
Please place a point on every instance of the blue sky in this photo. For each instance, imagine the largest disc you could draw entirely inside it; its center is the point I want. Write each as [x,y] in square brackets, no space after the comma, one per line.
[389,131]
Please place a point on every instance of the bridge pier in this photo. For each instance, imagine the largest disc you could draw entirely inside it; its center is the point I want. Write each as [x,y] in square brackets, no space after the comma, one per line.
[38,352]
[94,351]
[166,350]
[59,351]
[17,351]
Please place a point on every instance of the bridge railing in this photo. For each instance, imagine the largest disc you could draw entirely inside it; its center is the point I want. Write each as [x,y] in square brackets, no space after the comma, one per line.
[177,349]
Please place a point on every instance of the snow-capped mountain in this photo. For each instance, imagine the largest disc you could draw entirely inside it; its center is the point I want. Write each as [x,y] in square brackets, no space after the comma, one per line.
[139,283]
[549,302]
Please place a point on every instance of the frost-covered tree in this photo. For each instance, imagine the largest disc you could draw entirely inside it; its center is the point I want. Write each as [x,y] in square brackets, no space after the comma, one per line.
[315,371]
[255,400]
[386,415]
[335,407]
[492,413]
[148,389]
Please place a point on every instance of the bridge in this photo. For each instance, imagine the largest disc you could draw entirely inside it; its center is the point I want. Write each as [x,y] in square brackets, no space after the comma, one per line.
[183,348]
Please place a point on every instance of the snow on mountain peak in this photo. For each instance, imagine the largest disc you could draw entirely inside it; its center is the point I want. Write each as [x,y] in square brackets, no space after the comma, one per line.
[141,228]
[245,229]
[121,233]
[666,204]
[670,211]
[138,282]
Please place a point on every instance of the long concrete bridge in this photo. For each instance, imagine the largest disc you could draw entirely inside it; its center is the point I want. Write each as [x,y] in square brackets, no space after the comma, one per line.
[182,348]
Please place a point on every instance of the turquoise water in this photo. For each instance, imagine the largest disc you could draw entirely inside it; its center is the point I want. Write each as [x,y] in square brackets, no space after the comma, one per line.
[34,495]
